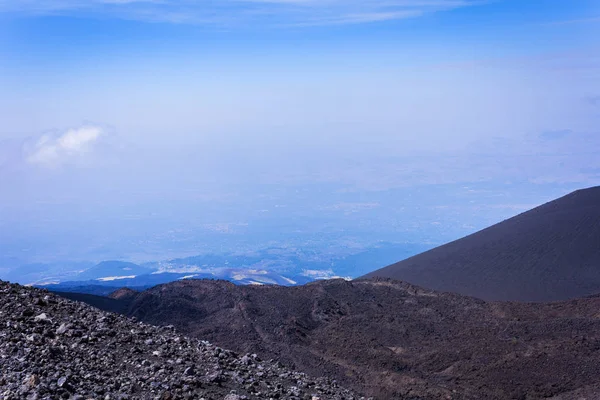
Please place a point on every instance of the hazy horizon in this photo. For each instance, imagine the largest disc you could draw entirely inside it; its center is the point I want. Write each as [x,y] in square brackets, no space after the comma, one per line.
[142,130]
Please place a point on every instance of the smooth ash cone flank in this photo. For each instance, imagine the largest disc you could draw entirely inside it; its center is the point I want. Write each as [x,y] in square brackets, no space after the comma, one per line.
[549,253]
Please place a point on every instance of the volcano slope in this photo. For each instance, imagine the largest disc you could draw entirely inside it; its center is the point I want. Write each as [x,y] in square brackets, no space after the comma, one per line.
[52,348]
[549,253]
[390,339]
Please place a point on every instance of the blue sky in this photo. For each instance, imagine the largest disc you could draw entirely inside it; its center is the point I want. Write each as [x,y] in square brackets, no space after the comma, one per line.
[114,103]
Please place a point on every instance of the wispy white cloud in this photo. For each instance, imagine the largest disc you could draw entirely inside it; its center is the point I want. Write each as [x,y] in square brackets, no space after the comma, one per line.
[590,20]
[241,12]
[360,18]
[52,150]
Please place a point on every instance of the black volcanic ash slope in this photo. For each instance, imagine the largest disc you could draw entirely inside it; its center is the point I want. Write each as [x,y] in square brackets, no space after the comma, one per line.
[52,348]
[549,253]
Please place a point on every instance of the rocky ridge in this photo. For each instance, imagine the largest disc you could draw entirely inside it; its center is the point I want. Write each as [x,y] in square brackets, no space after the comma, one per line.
[54,348]
[392,340]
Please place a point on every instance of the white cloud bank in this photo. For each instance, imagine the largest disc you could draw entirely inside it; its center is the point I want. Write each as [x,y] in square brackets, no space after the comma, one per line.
[53,150]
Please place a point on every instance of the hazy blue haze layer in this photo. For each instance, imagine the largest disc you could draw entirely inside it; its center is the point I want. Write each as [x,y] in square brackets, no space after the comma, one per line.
[145,131]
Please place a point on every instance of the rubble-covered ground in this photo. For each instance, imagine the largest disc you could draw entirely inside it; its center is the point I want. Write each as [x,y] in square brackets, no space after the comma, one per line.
[53,348]
[390,339]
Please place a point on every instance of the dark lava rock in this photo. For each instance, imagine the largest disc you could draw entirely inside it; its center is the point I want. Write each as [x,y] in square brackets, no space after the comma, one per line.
[389,339]
[99,355]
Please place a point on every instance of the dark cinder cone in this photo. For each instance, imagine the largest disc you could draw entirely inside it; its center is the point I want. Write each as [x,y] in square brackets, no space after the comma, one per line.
[549,253]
